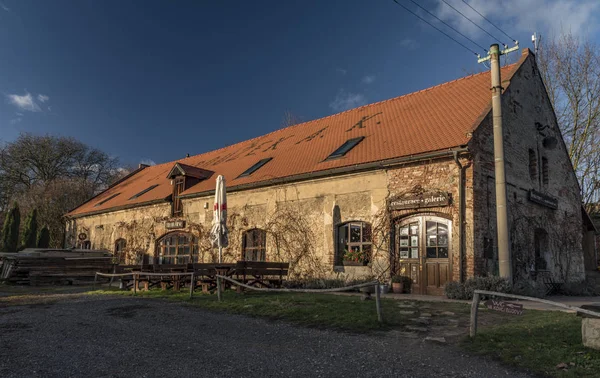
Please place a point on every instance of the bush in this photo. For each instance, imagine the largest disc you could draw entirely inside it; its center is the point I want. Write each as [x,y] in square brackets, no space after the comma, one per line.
[30,231]
[458,290]
[397,279]
[43,240]
[455,290]
[10,231]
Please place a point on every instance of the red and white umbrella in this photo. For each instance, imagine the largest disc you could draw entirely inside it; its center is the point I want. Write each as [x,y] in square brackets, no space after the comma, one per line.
[219,225]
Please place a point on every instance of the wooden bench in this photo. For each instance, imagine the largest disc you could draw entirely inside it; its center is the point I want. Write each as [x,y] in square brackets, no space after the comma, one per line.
[261,274]
[205,274]
[552,286]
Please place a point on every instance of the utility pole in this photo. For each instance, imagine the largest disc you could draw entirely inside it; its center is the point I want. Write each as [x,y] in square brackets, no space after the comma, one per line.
[504,257]
[536,39]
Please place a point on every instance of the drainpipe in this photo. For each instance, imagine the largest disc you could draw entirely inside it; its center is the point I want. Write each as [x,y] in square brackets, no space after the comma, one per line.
[461,215]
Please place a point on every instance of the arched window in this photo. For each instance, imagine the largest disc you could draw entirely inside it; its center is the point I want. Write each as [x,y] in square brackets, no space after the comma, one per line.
[177,248]
[120,245]
[354,243]
[254,245]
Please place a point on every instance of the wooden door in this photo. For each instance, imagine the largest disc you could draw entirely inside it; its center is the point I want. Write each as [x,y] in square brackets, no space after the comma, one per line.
[423,253]
[408,247]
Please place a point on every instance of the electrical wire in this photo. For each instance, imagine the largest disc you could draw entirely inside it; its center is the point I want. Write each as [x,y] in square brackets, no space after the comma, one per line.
[443,22]
[471,21]
[436,28]
[469,5]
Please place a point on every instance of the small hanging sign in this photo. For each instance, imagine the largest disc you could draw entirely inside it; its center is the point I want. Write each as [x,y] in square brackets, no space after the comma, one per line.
[505,307]
[174,224]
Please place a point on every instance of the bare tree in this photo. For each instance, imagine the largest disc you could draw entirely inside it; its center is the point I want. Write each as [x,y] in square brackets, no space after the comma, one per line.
[570,68]
[290,119]
[53,174]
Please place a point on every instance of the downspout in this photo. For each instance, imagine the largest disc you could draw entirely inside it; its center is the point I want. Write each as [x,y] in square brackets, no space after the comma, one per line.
[461,215]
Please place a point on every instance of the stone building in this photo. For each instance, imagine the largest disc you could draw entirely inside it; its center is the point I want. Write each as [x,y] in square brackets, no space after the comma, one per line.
[403,186]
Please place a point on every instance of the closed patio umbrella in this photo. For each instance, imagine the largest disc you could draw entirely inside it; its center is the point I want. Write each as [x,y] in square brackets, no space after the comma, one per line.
[219,227]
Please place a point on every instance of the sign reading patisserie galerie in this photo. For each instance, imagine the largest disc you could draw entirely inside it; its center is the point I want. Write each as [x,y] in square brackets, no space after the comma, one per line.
[417,201]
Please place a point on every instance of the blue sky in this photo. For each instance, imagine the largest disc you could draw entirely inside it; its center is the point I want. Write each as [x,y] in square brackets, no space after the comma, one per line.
[154,80]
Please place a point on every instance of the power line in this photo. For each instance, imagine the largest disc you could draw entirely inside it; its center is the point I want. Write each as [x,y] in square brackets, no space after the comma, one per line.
[436,28]
[471,21]
[443,22]
[514,40]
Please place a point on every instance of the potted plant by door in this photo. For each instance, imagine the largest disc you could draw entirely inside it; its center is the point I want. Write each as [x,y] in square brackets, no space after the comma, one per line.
[397,284]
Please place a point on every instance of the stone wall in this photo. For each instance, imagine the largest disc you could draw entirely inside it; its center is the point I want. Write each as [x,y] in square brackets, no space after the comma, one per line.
[300,218]
[529,124]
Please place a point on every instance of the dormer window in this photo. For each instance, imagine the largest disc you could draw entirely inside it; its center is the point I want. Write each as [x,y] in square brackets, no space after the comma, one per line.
[183,177]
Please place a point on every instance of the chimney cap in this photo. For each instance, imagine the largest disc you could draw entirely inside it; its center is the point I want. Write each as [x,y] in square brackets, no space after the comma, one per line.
[142,166]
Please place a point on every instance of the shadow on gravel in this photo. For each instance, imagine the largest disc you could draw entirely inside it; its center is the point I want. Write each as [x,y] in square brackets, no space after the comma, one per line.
[14,326]
[125,312]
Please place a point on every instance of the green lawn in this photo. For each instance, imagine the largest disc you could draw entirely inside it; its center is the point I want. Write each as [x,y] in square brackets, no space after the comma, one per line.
[348,313]
[539,341]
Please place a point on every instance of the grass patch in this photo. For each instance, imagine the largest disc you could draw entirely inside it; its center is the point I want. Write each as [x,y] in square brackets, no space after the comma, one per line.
[347,313]
[539,341]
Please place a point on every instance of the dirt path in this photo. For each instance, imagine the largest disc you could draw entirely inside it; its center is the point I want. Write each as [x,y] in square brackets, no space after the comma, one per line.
[78,335]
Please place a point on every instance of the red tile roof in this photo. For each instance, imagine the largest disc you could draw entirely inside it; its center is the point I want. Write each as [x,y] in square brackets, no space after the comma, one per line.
[434,119]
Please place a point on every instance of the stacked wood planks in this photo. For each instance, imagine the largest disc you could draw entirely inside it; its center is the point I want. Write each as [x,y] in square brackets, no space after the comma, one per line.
[53,266]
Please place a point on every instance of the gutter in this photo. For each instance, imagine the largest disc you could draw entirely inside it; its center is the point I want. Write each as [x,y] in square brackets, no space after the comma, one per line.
[337,171]
[461,215]
[301,177]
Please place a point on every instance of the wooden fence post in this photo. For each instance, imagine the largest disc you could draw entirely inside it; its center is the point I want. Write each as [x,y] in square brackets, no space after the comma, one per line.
[95,278]
[378,303]
[135,283]
[192,284]
[219,289]
[474,310]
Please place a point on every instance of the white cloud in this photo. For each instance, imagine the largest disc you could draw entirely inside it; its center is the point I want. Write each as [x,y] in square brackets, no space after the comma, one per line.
[368,79]
[25,102]
[19,114]
[341,71]
[15,121]
[346,100]
[42,98]
[520,16]
[4,7]
[147,162]
[409,44]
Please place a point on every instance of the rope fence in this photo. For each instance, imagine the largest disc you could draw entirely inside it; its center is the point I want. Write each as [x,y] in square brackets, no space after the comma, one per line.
[477,298]
[285,290]
[136,277]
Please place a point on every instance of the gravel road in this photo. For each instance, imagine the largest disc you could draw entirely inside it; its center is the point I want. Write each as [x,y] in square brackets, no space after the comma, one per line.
[86,336]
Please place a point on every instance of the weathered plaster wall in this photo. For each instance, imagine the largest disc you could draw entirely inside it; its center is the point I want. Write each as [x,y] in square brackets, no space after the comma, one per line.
[300,218]
[528,118]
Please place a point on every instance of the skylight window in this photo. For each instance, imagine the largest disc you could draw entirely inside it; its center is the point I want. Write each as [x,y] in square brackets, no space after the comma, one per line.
[106,199]
[255,167]
[143,192]
[344,148]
